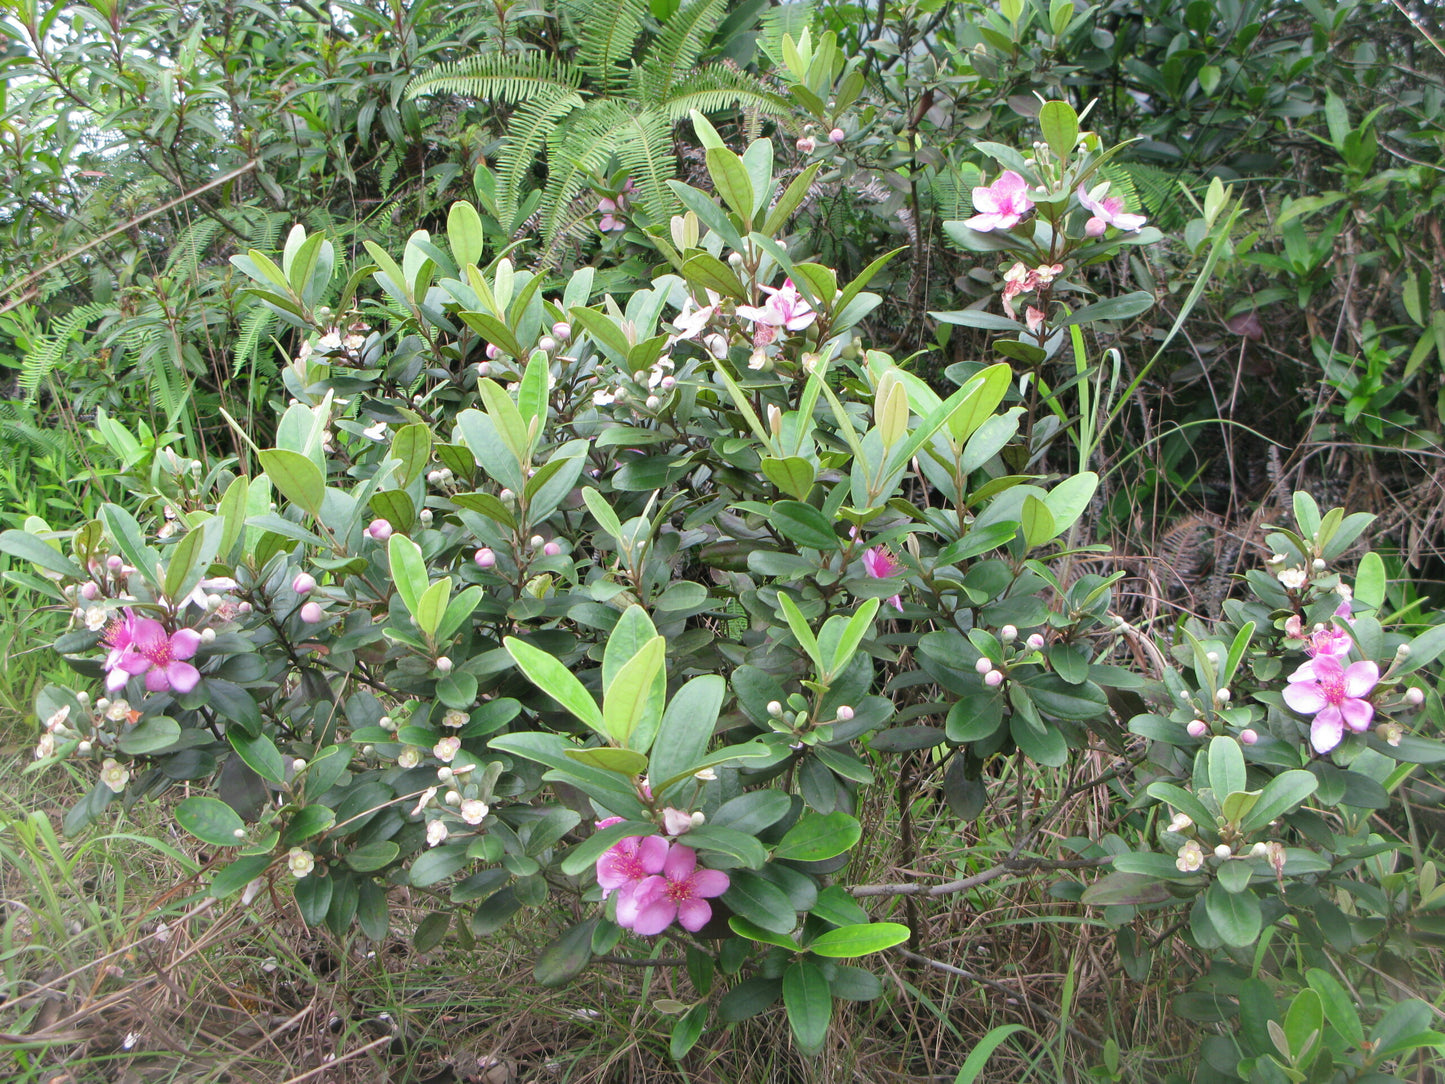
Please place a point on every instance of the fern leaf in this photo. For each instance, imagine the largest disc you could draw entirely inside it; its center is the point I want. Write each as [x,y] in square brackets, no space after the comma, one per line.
[789,19]
[499,77]
[527,135]
[607,32]
[675,53]
[717,87]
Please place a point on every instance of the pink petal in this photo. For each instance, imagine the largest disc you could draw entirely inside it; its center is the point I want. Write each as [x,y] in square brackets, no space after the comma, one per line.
[115,680]
[157,681]
[707,883]
[985,201]
[1305,698]
[628,906]
[896,602]
[1325,733]
[654,918]
[681,861]
[133,663]
[147,633]
[1360,678]
[184,644]
[986,223]
[182,676]
[652,853]
[1357,714]
[693,914]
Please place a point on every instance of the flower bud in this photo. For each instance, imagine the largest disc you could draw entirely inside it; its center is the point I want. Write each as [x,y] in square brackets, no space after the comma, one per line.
[652,402]
[1008,634]
[1222,696]
[836,136]
[1036,641]
[1248,736]
[304,583]
[561,331]
[90,591]
[208,636]
[484,558]
[552,549]
[493,353]
[1259,850]
[845,713]
[984,664]
[1223,851]
[807,145]
[84,747]
[1403,651]
[547,343]
[506,496]
[1198,728]
[114,563]
[706,775]
[298,765]
[1318,564]
[424,517]
[775,709]
[1414,696]
[378,530]
[311,613]
[444,664]
[993,679]
[244,607]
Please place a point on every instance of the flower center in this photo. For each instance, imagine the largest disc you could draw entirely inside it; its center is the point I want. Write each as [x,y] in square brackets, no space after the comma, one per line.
[679,891]
[1333,686]
[158,652]
[629,866]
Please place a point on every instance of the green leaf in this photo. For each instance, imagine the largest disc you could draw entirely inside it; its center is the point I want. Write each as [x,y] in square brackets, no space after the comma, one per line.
[411,446]
[629,699]
[556,681]
[852,637]
[1236,916]
[408,571]
[1226,766]
[370,857]
[1123,307]
[506,417]
[1069,499]
[978,1057]
[231,879]
[800,628]
[793,475]
[625,762]
[730,178]
[859,940]
[1037,522]
[297,479]
[211,821]
[432,605]
[150,735]
[817,837]
[1280,796]
[260,754]
[809,1003]
[464,232]
[606,334]
[759,901]
[602,512]
[791,199]
[1060,126]
[1183,801]
[307,822]
[804,525]
[687,728]
[567,957]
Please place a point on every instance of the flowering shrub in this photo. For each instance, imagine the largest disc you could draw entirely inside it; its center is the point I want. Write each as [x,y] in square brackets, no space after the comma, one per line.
[542,596]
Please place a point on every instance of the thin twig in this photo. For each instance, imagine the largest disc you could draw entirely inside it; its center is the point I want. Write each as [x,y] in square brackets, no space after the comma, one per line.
[1008,865]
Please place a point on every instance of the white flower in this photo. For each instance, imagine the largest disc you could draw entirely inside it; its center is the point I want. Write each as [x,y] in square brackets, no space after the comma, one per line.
[707,775]
[57,721]
[473,811]
[436,832]
[603,397]
[446,749]
[117,710]
[375,432]
[95,618]
[1191,857]
[1181,823]
[301,862]
[454,718]
[113,775]
[1292,578]
[46,746]
[409,757]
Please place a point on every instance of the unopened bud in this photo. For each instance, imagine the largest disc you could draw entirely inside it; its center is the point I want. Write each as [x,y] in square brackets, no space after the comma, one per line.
[1036,641]
[547,343]
[1198,728]
[311,613]
[208,636]
[379,530]
[1223,851]
[837,135]
[552,549]
[561,331]
[304,583]
[484,558]
[1414,696]
[1222,696]
[984,665]
[1008,634]
[444,664]
[993,679]
[845,713]
[807,145]
[1248,736]
[775,709]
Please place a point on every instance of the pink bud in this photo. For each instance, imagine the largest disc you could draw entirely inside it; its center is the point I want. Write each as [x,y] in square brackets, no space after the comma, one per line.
[311,613]
[492,352]
[114,563]
[561,331]
[845,714]
[1198,728]
[304,583]
[89,591]
[837,135]
[243,607]
[993,679]
[551,549]
[984,665]
[483,368]
[379,529]
[1036,641]
[484,558]
[444,664]
[1414,696]
[807,144]
[1248,737]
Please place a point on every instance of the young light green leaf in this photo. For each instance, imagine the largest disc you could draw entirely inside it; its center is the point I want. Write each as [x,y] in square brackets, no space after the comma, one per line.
[408,570]
[630,700]
[554,679]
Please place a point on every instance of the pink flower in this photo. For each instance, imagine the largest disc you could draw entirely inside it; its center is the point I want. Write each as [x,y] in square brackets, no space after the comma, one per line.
[1334,695]
[1331,640]
[880,564]
[612,207]
[629,862]
[785,308]
[680,893]
[1002,205]
[676,822]
[148,649]
[1107,211]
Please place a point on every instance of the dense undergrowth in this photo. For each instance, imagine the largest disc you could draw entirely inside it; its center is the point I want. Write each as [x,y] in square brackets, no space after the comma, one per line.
[915,427]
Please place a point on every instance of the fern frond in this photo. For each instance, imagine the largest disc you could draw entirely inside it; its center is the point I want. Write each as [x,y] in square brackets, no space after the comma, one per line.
[527,134]
[783,19]
[674,55]
[646,155]
[190,248]
[509,77]
[717,87]
[607,32]
[581,152]
[46,352]
[1154,190]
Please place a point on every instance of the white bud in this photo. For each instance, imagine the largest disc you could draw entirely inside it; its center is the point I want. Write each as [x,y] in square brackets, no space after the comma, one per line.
[1414,697]
[298,765]
[984,665]
[1223,851]
[775,709]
